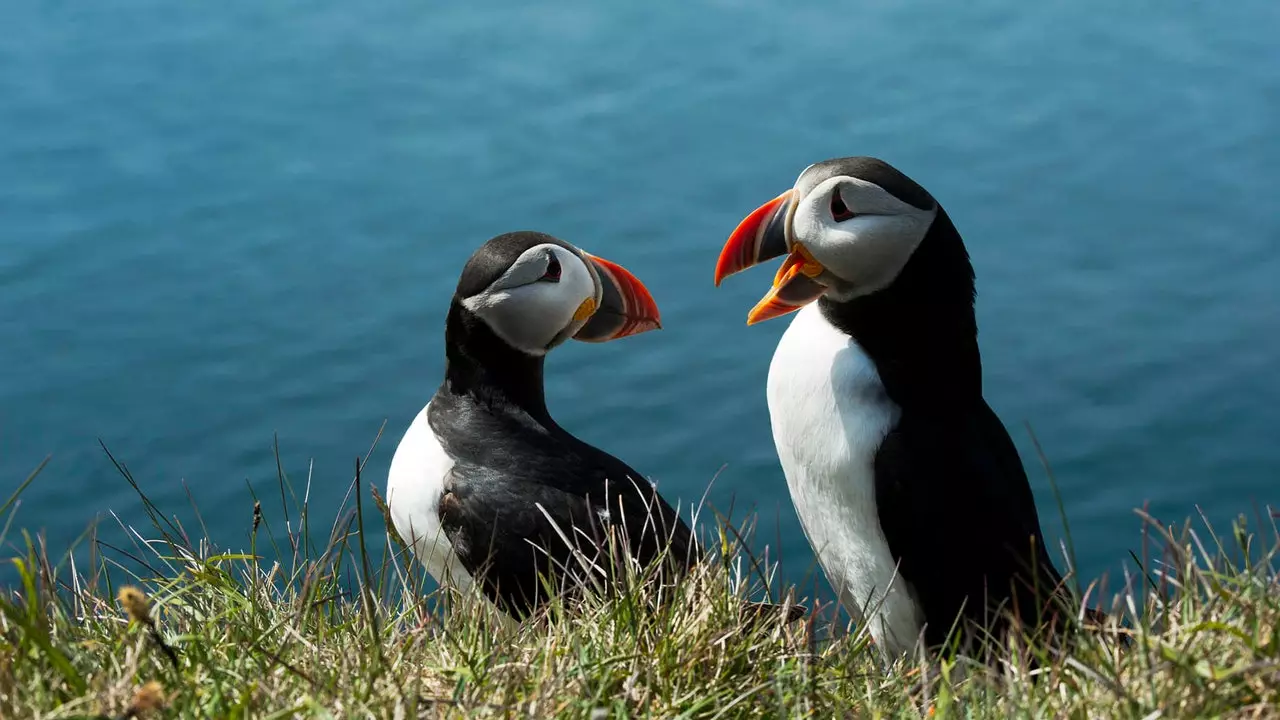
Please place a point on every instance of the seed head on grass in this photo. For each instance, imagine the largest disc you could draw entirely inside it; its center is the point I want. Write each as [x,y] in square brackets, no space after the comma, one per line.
[149,696]
[138,609]
[135,604]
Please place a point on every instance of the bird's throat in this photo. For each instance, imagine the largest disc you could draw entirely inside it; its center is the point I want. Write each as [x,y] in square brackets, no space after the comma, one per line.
[921,330]
[482,366]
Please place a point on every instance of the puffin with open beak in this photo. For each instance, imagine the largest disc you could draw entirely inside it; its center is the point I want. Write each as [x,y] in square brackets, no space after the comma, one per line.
[907,485]
[485,486]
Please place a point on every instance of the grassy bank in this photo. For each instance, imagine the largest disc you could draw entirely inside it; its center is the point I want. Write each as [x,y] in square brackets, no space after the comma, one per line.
[307,623]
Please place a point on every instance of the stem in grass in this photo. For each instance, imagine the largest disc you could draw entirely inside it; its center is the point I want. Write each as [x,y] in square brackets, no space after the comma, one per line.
[154,514]
[366,589]
[255,569]
[1062,509]
[13,498]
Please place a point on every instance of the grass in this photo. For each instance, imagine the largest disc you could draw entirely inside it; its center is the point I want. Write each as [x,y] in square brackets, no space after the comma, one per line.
[308,625]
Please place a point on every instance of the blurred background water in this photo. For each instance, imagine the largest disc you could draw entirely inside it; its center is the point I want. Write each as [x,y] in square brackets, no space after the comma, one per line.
[223,223]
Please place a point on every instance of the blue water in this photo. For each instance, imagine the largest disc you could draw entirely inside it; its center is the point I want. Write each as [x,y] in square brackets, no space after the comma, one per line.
[223,222]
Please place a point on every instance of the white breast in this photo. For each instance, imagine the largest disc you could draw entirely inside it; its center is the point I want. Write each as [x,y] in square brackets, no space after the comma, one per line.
[829,413]
[415,484]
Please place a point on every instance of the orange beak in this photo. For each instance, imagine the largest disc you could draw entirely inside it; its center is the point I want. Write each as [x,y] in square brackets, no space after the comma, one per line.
[625,307]
[761,236]
[764,235]
[794,286]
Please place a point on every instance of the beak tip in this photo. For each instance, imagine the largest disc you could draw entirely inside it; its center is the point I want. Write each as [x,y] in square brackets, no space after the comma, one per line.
[722,272]
[755,239]
[631,306]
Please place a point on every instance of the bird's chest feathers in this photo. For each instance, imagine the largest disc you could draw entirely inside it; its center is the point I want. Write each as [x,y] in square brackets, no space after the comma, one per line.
[829,413]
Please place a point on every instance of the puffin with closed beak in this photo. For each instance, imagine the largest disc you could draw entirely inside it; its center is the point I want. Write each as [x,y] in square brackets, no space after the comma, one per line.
[485,486]
[906,483]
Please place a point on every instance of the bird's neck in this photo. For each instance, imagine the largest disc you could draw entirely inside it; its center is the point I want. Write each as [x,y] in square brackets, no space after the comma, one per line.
[483,367]
[921,331]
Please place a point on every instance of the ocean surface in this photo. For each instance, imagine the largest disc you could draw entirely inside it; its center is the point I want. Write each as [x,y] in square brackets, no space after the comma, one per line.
[227,224]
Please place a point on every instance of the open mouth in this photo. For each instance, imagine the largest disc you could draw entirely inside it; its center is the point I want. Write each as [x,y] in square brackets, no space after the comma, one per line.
[764,235]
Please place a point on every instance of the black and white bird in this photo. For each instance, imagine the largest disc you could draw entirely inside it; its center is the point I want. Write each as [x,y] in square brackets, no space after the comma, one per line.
[907,485]
[485,486]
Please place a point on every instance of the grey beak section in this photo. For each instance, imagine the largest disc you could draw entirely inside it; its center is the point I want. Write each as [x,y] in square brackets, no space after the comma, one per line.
[626,307]
[608,318]
[773,241]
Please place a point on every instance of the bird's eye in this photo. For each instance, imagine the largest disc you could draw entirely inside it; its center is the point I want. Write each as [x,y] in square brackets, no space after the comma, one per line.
[553,270]
[839,211]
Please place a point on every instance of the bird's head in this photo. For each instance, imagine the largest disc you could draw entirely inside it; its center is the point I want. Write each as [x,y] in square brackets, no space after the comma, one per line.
[535,291]
[848,227]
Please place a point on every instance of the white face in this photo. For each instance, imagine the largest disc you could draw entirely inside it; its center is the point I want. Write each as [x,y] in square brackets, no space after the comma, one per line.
[859,232]
[541,300]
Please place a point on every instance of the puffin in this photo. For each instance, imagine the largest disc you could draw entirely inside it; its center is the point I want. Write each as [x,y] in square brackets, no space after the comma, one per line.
[485,486]
[906,483]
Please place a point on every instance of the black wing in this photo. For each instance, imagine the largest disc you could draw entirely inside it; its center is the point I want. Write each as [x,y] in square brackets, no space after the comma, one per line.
[521,500]
[957,511]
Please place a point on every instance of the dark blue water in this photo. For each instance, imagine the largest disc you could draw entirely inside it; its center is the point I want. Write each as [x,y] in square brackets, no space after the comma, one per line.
[223,222]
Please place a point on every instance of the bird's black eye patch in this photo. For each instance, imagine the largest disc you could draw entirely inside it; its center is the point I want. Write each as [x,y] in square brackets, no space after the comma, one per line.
[839,211]
[553,270]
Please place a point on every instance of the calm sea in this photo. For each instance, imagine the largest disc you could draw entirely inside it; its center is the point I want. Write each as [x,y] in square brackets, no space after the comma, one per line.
[225,223]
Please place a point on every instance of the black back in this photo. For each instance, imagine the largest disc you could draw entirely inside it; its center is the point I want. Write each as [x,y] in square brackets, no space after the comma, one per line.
[952,495]
[490,415]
